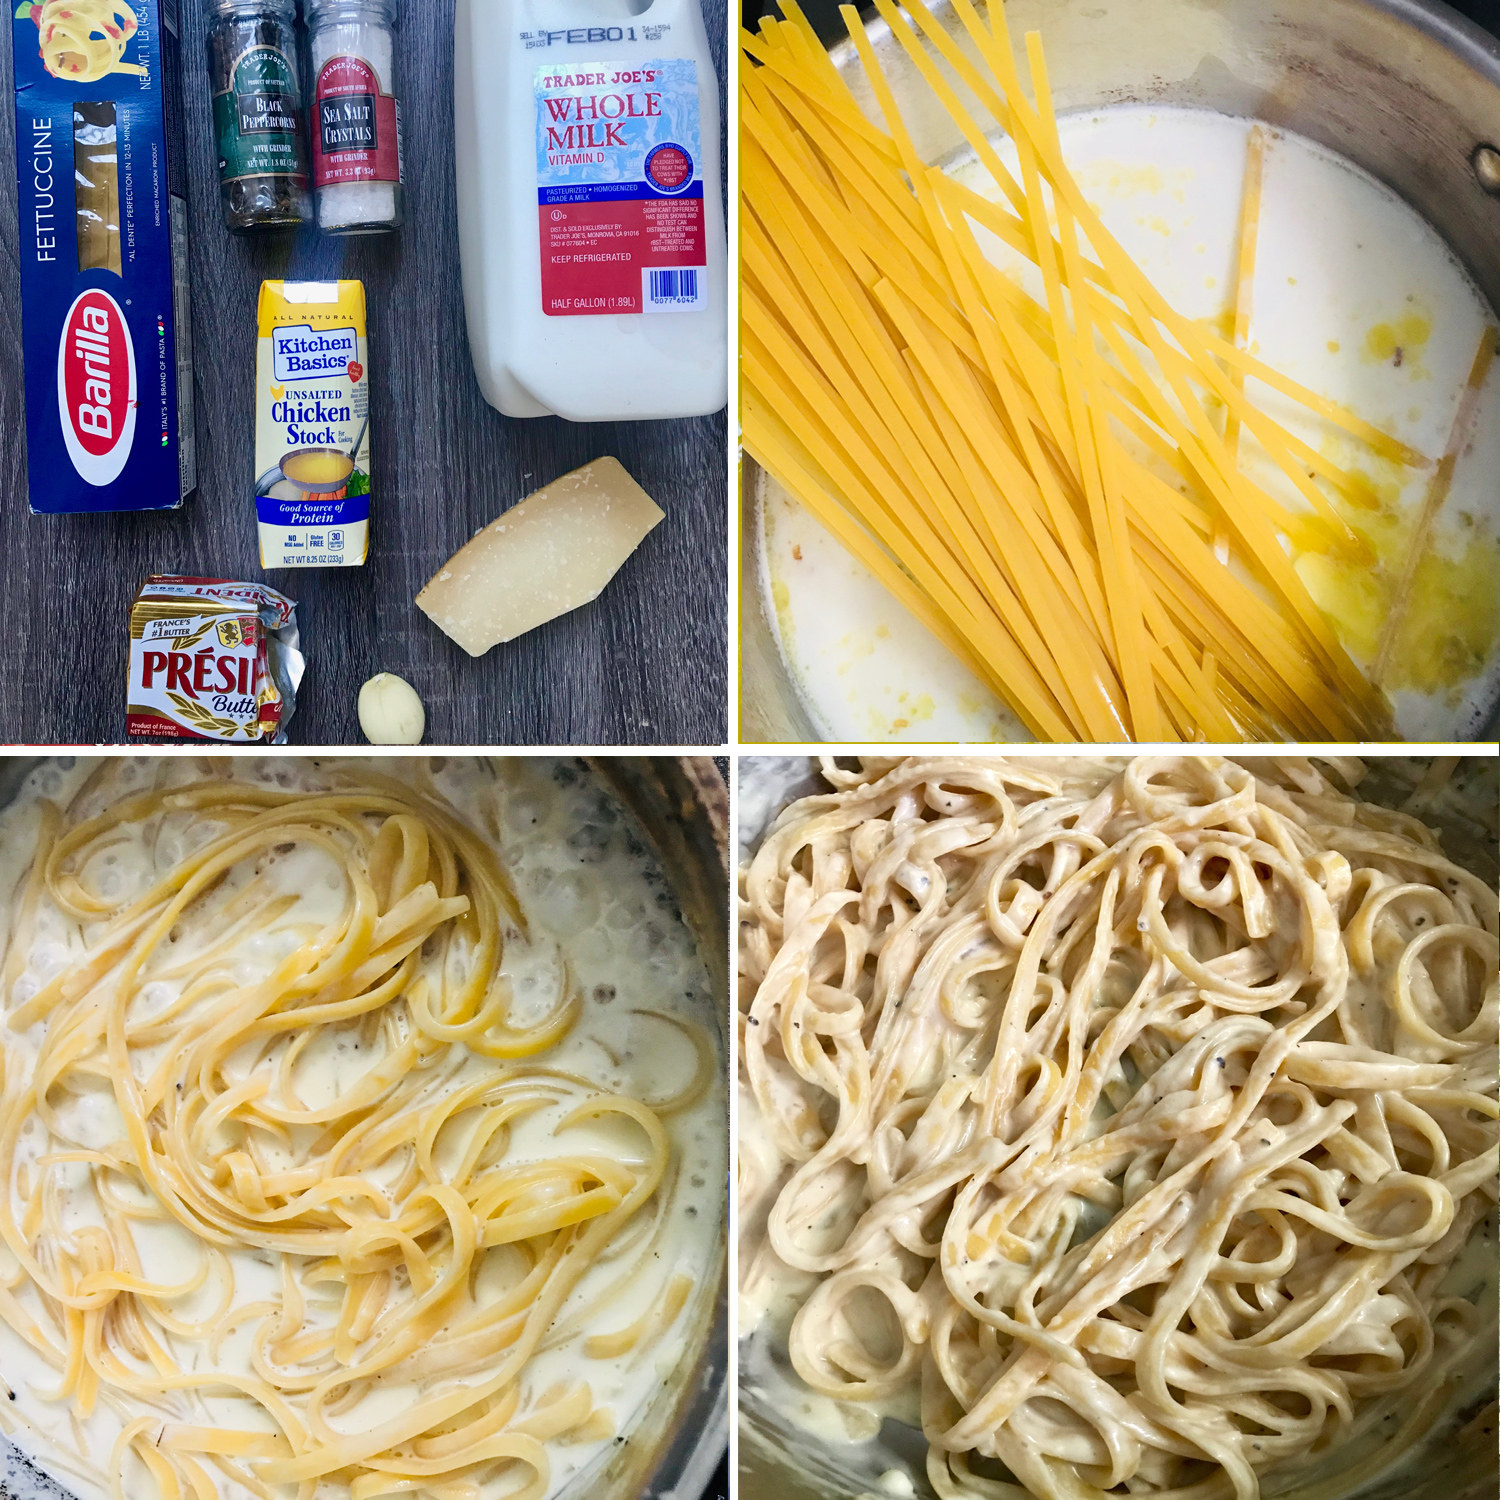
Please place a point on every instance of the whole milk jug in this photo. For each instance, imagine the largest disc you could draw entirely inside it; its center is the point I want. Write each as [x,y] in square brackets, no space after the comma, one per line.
[590,211]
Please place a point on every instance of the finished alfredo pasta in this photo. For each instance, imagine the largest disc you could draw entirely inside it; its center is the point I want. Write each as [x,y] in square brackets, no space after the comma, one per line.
[1129,1128]
[359,1128]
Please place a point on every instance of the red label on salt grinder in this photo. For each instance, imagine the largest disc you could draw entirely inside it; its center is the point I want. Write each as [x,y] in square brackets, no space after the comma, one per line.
[356,128]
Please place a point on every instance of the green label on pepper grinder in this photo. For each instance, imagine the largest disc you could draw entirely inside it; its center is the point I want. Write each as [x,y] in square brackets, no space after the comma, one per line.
[255,119]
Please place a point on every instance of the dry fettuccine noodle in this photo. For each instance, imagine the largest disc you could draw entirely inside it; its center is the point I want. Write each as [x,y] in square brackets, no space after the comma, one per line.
[1133,1117]
[409,1267]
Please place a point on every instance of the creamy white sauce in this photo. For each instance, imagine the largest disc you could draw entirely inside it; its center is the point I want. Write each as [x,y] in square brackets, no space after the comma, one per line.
[1355,296]
[877,1449]
[591,892]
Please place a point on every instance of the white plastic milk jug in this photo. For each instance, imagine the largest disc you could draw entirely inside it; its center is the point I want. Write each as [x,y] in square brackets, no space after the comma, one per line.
[590,212]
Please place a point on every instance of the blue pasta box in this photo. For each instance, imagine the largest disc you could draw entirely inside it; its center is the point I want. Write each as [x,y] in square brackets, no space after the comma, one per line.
[104,256]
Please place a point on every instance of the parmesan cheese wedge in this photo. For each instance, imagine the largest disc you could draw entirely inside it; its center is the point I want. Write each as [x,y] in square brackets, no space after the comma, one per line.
[550,554]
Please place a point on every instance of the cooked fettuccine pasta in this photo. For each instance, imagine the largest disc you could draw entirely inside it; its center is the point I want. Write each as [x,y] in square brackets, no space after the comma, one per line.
[1128,1126]
[357,1129]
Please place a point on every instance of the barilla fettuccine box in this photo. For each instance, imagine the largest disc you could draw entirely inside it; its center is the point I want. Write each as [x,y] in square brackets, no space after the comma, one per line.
[104,258]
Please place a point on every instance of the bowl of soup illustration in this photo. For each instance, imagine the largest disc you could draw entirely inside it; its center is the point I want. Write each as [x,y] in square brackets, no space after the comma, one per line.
[318,471]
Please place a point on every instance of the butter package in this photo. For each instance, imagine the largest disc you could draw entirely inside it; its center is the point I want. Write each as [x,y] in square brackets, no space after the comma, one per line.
[101,176]
[312,425]
[211,659]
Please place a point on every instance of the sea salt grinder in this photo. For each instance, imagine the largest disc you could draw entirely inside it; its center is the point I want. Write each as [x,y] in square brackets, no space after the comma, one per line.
[356,116]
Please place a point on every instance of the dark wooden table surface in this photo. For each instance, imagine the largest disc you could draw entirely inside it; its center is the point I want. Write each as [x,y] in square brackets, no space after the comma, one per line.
[643,664]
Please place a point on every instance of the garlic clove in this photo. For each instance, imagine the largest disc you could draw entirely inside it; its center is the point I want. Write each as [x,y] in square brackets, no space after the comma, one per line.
[390,712]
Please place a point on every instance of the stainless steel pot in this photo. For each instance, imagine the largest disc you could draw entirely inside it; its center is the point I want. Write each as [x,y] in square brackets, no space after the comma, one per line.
[780,1461]
[1407,89]
[682,806]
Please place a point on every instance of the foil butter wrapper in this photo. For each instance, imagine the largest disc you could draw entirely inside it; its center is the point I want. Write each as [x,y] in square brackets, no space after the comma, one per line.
[211,659]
